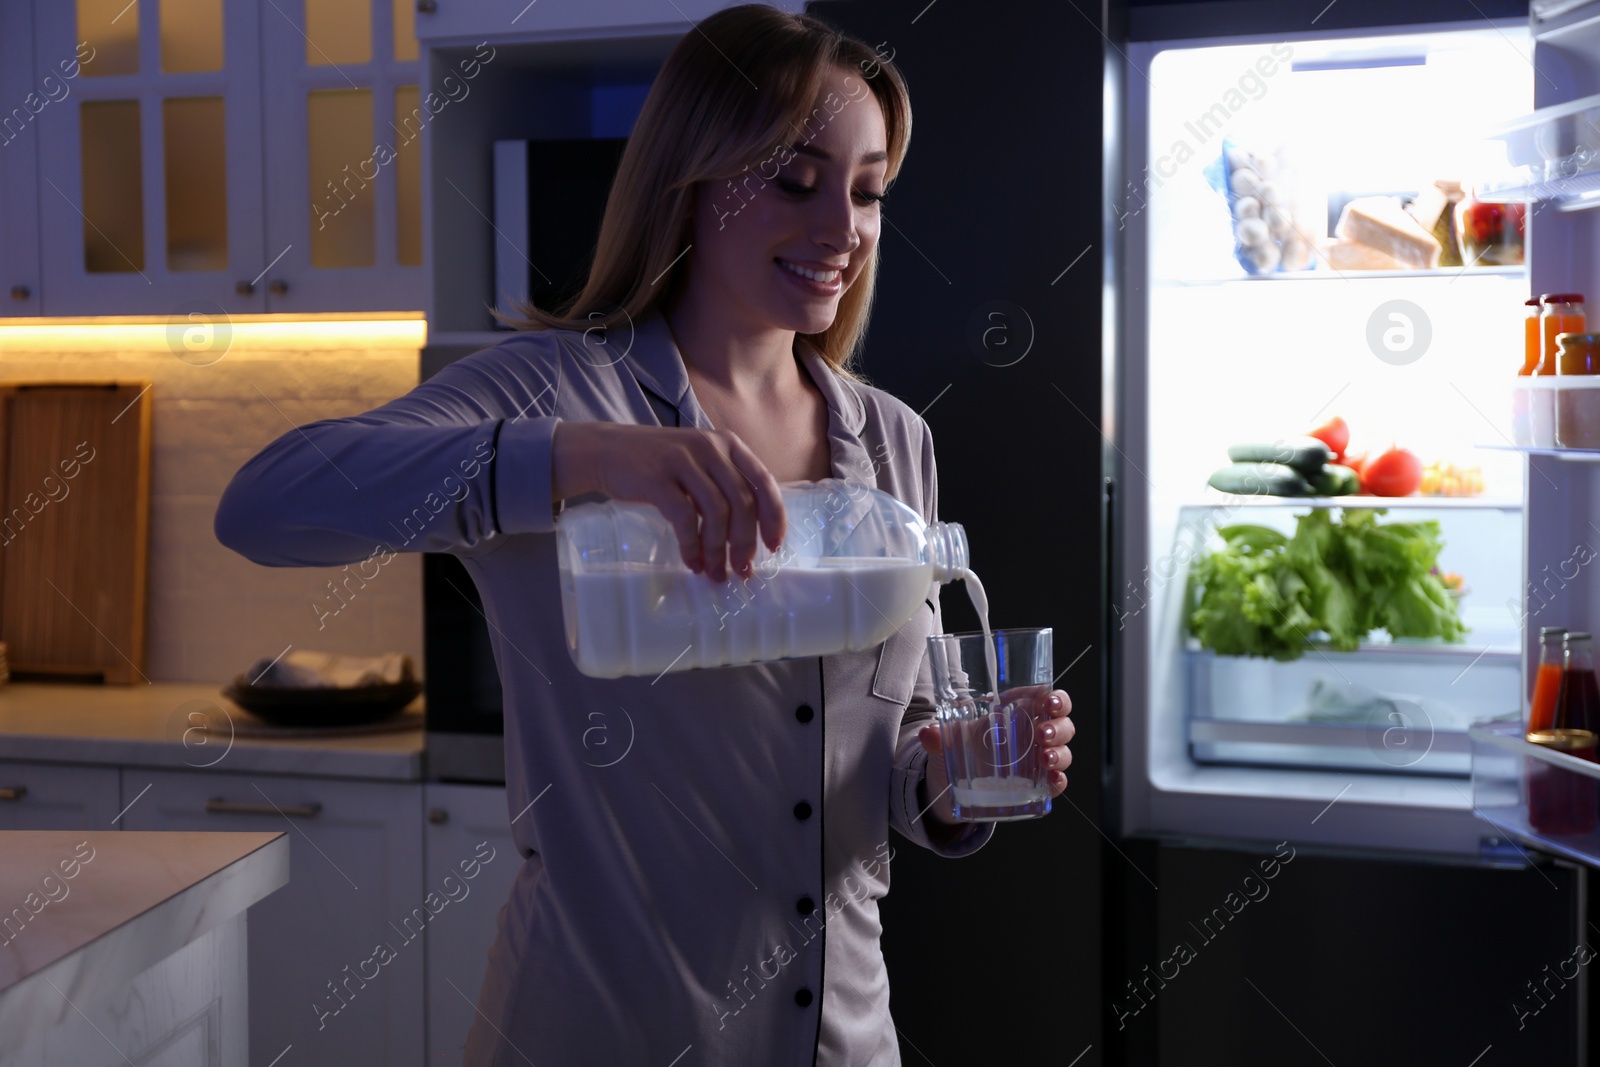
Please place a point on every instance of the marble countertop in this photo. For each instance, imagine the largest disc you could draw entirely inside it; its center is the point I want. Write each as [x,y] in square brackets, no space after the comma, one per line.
[87,910]
[175,726]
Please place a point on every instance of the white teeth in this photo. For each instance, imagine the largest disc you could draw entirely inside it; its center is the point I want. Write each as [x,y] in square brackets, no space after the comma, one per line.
[824,276]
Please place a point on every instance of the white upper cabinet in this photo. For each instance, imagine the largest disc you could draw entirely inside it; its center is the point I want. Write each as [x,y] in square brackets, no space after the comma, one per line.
[182,167]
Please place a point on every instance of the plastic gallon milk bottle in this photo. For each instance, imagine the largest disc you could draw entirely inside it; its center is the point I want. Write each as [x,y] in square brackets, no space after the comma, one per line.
[854,565]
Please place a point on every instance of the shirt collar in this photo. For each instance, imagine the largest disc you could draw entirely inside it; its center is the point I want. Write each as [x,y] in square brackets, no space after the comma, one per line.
[658,365]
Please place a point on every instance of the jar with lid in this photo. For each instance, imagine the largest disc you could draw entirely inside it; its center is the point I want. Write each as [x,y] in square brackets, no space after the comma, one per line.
[1561,800]
[1577,391]
[1563,313]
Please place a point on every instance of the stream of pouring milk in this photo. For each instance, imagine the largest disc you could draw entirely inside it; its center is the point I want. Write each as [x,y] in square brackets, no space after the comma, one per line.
[992,791]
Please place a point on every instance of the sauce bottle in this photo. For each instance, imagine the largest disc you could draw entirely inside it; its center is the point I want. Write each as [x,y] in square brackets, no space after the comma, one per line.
[1563,313]
[1578,702]
[1547,680]
[1531,345]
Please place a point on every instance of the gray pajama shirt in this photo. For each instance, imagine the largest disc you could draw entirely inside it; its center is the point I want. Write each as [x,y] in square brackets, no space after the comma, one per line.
[705,883]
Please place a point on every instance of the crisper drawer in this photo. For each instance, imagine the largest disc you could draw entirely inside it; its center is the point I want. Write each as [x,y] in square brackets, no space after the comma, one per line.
[1395,708]
[58,796]
[1546,800]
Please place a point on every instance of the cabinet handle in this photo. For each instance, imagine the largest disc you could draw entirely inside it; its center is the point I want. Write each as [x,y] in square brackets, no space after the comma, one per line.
[218,806]
[13,792]
[20,292]
[426,7]
[438,816]
[277,287]
[244,288]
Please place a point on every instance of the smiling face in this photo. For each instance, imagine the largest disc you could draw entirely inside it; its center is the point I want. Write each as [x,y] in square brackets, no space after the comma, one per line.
[778,248]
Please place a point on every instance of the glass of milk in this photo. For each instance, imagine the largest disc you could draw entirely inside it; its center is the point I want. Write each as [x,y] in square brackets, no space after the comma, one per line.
[987,723]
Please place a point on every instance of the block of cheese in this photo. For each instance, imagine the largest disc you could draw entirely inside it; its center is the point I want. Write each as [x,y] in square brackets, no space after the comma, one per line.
[1379,222]
[1348,255]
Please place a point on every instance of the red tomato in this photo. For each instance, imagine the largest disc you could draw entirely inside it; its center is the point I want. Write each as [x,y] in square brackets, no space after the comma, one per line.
[1335,434]
[1394,473]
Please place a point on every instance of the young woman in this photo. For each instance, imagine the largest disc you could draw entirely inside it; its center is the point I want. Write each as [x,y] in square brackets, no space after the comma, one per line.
[711,897]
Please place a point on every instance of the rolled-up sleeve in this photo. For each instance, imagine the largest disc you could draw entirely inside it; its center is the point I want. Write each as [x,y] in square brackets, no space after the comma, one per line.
[906,812]
[461,458]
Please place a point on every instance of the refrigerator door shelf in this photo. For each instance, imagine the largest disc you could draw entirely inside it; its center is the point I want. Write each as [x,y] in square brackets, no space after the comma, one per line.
[1508,773]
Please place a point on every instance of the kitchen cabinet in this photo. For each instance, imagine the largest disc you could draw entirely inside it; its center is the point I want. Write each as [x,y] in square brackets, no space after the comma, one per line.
[24,99]
[336,961]
[57,796]
[469,857]
[221,156]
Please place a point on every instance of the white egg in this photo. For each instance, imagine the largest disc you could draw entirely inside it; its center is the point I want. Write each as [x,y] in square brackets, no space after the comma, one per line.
[1263,259]
[1246,183]
[1252,232]
[1278,221]
[1269,194]
[1296,254]
[1247,207]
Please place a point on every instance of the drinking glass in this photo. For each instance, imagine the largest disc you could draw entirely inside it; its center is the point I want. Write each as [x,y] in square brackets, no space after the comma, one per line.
[987,723]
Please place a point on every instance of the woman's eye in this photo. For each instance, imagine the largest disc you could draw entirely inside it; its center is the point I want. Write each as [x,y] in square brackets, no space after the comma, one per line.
[797,189]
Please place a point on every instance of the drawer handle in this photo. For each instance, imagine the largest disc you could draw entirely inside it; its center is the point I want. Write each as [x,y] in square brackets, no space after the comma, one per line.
[218,806]
[13,792]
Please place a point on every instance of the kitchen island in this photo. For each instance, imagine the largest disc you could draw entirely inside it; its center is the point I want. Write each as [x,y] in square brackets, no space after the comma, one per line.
[125,947]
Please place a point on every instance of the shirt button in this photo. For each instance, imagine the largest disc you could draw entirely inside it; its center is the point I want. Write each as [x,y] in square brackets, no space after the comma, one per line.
[805,905]
[804,713]
[802,811]
[802,997]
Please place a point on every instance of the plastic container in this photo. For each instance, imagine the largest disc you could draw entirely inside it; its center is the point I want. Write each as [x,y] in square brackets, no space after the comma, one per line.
[854,566]
[1577,411]
[1522,412]
[1541,411]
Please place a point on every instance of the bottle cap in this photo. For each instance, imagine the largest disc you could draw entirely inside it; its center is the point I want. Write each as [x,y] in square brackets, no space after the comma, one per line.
[1551,631]
[1574,635]
[1563,740]
[1562,298]
[1532,301]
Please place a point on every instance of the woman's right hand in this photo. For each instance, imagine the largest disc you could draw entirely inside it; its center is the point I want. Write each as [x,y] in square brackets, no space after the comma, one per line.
[708,484]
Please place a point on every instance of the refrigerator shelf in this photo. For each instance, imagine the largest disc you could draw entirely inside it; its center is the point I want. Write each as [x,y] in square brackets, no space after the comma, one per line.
[1574,455]
[1507,771]
[1215,498]
[1330,275]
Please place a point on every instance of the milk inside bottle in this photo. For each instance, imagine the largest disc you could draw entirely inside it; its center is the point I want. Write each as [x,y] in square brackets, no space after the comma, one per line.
[855,564]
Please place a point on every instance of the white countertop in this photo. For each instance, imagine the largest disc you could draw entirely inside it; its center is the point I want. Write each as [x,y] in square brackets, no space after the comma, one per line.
[102,906]
[154,726]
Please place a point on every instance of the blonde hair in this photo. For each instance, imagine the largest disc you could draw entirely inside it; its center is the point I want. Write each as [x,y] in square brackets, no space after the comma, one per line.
[704,120]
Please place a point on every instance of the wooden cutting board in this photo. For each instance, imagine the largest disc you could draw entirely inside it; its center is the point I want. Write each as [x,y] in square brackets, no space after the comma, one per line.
[74,528]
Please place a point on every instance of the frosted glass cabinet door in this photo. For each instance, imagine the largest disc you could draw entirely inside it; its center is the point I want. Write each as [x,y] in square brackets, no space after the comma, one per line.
[344,127]
[150,157]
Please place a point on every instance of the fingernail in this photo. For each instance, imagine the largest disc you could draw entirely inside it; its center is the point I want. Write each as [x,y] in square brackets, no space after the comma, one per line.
[1055,703]
[1050,758]
[1049,733]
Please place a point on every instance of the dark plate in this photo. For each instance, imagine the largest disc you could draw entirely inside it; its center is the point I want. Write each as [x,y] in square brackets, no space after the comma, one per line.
[356,706]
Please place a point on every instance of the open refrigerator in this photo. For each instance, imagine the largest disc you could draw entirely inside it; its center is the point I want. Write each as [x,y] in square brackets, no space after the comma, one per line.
[1399,744]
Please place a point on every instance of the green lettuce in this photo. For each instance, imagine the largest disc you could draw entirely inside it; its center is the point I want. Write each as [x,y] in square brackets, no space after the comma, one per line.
[1264,594]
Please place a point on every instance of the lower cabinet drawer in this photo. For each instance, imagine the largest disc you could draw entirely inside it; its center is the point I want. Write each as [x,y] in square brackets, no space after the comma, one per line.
[58,796]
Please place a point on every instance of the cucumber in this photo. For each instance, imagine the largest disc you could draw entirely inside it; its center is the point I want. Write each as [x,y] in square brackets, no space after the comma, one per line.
[1334,480]
[1305,454]
[1260,479]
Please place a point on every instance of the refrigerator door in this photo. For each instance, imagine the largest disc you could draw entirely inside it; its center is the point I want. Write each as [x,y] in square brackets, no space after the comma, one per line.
[1363,750]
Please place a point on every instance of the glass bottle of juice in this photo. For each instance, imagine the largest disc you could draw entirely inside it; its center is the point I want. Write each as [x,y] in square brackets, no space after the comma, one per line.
[1578,701]
[1532,350]
[1547,679]
[1563,313]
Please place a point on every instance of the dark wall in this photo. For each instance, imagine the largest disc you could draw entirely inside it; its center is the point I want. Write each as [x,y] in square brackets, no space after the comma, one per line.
[999,197]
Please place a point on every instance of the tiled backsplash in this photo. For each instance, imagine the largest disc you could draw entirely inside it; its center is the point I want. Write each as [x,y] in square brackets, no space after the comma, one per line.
[211,611]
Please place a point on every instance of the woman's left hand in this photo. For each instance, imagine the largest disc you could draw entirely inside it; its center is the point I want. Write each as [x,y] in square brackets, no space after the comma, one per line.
[1053,730]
